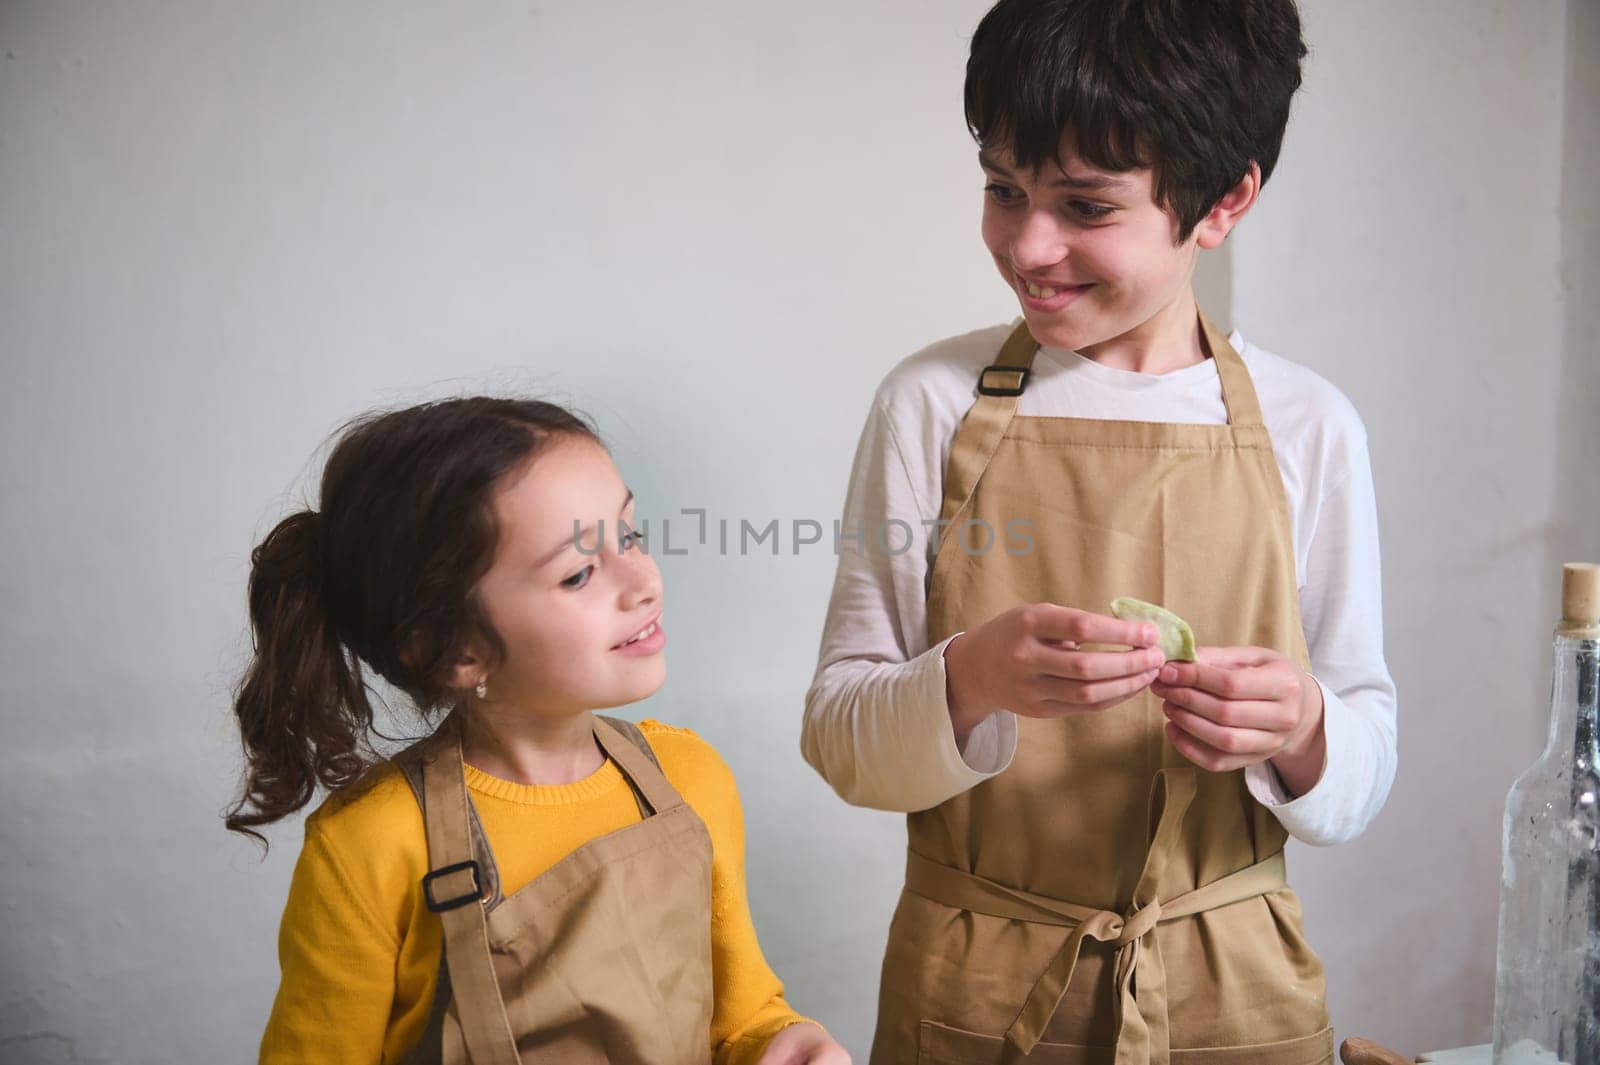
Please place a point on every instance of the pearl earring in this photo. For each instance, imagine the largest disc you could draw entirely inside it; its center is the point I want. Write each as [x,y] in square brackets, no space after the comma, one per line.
[482,690]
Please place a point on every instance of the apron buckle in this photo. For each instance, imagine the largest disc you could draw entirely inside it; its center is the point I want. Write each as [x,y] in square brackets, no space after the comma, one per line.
[455,901]
[1018,374]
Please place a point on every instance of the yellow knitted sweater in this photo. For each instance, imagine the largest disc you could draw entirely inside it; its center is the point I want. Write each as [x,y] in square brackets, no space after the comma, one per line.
[360,952]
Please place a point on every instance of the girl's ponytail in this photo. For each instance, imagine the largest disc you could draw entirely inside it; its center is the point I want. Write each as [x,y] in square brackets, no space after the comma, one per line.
[302,706]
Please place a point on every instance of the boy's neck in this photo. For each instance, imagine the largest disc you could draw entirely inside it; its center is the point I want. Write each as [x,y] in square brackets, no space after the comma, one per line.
[527,748]
[1167,341]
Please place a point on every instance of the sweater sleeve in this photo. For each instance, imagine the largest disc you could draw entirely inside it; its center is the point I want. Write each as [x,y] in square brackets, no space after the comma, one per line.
[338,967]
[877,720]
[749,1004]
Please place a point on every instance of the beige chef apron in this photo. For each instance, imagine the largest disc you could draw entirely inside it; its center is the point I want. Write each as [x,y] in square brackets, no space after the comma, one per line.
[1103,900]
[605,957]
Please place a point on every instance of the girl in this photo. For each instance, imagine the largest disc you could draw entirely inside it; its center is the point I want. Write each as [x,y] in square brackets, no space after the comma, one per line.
[532,879]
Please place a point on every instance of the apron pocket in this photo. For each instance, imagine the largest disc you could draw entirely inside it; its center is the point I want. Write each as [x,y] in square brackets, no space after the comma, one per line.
[1314,1049]
[940,1044]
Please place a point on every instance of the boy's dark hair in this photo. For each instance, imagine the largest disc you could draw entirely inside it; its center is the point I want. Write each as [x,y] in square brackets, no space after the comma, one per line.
[383,576]
[1195,89]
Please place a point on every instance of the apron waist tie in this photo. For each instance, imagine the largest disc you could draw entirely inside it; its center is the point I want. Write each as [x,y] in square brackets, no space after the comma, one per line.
[1142,1034]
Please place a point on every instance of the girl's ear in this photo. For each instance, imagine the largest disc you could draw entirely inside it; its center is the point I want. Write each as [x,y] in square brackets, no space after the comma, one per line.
[469,669]
[1235,203]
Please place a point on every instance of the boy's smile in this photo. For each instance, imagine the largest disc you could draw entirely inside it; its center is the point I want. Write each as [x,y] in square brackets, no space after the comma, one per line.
[1047,295]
[1094,259]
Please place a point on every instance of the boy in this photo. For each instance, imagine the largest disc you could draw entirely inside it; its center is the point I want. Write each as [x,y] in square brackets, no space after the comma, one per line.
[1095,869]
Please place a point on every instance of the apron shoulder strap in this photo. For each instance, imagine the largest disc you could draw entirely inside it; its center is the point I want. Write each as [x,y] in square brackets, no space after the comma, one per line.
[454,889]
[409,762]
[625,745]
[1000,386]
[1238,392]
[633,733]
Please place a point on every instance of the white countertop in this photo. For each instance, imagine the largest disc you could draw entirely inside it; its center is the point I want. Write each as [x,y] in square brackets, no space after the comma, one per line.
[1480,1055]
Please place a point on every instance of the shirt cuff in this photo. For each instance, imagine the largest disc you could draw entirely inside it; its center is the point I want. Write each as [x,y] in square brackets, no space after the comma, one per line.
[991,744]
[1314,817]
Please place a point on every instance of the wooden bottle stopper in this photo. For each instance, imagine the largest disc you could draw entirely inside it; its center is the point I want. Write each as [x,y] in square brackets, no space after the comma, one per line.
[1580,600]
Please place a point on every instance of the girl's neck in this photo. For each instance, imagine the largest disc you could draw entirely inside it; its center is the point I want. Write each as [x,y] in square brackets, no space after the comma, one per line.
[529,748]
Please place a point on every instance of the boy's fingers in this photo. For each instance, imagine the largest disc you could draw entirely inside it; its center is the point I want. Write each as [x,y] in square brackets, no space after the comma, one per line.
[1069,696]
[1255,729]
[1232,713]
[1098,665]
[1203,754]
[1233,683]
[1082,694]
[1048,621]
[1235,657]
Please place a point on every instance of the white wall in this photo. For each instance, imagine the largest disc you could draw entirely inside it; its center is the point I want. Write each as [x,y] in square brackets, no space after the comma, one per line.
[1577,516]
[1410,249]
[226,228]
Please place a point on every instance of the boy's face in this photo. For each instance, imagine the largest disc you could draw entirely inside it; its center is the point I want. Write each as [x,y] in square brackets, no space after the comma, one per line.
[1088,252]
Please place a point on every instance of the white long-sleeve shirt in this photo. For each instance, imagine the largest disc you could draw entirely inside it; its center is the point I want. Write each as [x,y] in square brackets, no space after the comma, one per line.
[877,723]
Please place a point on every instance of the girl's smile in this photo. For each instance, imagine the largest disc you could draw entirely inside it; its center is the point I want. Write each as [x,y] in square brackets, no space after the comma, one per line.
[647,641]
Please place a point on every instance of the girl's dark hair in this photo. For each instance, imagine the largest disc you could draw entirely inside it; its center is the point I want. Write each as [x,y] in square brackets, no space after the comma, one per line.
[382,578]
[1195,89]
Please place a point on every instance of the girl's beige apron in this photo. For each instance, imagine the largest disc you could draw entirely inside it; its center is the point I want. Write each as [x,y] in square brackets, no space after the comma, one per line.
[1104,900]
[606,957]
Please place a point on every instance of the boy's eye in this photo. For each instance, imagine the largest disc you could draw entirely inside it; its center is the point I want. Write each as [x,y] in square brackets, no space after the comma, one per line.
[1090,212]
[578,579]
[1003,194]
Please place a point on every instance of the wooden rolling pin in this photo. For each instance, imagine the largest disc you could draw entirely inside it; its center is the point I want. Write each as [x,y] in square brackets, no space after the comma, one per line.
[1361,1052]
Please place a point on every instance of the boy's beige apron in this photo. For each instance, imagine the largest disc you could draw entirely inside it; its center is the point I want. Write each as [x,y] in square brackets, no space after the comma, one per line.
[606,957]
[1103,900]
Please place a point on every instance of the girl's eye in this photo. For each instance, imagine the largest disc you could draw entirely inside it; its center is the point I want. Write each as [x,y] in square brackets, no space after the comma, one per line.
[578,579]
[629,538]
[1090,212]
[1001,194]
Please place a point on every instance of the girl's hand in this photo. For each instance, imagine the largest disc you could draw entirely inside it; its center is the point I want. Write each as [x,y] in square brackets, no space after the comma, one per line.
[1235,706]
[1027,660]
[804,1044]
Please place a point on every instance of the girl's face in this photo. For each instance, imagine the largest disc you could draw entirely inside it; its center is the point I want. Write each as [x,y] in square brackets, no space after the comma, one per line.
[571,607]
[1088,252]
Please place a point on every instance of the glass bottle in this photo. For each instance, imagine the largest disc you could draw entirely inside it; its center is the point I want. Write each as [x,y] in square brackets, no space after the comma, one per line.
[1547,976]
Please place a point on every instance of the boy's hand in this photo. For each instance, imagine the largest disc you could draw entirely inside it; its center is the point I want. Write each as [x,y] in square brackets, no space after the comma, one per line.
[1235,706]
[803,1044]
[1027,660]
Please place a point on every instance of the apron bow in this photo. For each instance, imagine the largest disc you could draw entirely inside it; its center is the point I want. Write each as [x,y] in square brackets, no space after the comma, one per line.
[1141,1007]
[1141,921]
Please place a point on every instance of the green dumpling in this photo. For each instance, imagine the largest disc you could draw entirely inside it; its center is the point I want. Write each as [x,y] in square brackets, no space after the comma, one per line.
[1177,638]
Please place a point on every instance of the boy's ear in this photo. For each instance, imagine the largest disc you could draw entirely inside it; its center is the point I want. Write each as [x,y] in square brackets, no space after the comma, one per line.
[1235,203]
